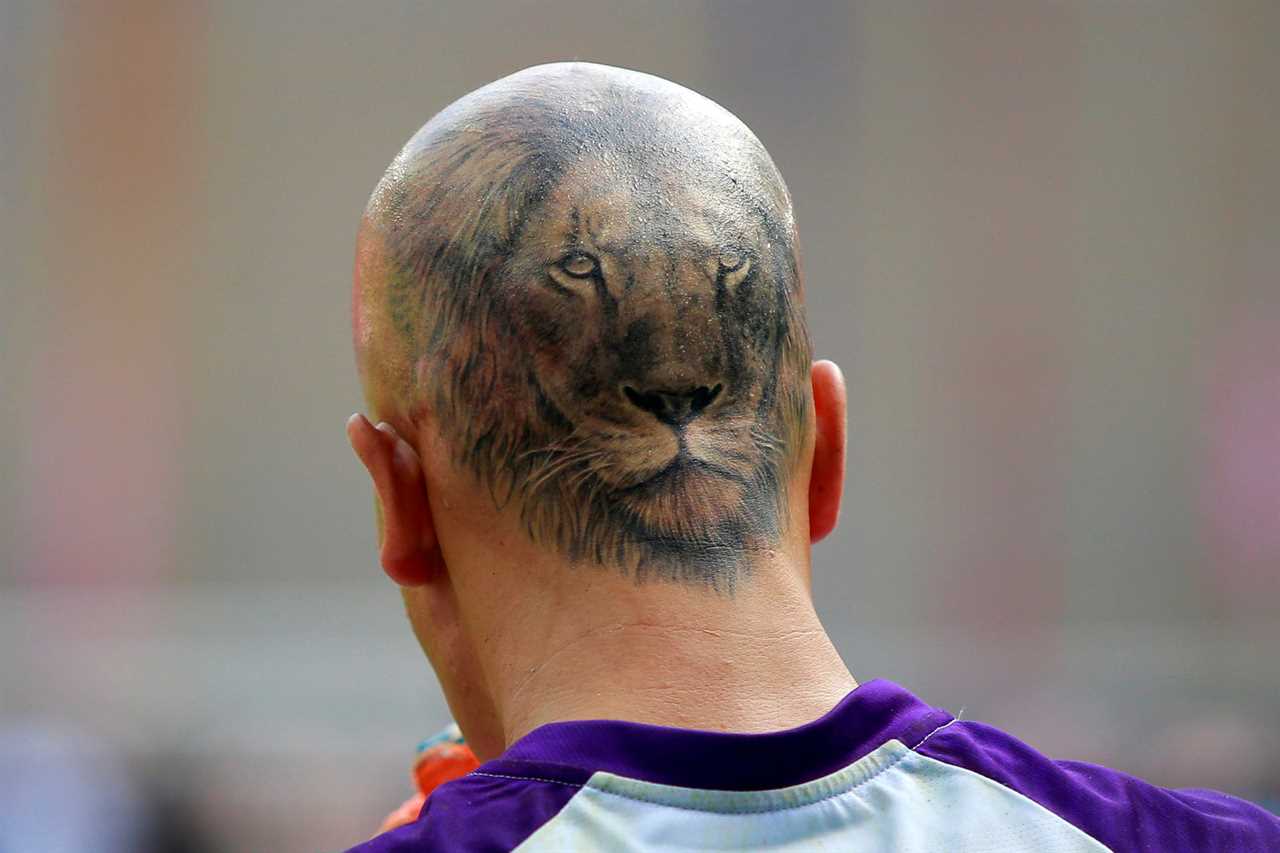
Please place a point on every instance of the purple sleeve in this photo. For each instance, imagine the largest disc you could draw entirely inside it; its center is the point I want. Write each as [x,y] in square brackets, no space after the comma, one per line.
[480,813]
[1121,811]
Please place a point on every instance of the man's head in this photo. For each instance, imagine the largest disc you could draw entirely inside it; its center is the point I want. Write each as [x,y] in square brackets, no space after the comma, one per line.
[588,276]
[578,289]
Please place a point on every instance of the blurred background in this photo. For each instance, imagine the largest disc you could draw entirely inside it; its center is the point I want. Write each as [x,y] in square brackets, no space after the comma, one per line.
[1041,238]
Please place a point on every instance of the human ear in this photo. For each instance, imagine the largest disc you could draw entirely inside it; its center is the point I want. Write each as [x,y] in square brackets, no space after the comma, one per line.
[826,478]
[409,550]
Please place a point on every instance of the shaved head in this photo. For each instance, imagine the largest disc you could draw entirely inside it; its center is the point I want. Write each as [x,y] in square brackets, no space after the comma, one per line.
[586,279]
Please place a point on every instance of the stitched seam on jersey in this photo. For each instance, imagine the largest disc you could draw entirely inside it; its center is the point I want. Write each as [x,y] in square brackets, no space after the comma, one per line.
[935,731]
[765,810]
[525,779]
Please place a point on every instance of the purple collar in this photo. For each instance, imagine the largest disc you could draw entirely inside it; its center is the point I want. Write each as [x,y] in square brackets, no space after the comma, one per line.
[871,714]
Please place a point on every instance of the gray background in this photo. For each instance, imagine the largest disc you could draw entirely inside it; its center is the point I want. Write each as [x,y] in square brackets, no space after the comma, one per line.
[1041,239]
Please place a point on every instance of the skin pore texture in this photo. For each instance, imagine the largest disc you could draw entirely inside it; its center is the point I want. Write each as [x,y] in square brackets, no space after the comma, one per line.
[601,451]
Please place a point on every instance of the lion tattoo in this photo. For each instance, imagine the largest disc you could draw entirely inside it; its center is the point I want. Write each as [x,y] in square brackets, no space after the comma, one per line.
[601,307]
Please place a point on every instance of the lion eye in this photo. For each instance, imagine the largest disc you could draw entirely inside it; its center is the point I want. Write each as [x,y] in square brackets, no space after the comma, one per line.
[733,267]
[731,260]
[579,265]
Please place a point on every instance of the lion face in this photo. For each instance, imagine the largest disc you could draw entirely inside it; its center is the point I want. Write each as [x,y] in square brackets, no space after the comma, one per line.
[649,323]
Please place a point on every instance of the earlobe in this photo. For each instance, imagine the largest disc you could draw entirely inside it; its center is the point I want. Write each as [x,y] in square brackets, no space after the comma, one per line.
[409,550]
[826,477]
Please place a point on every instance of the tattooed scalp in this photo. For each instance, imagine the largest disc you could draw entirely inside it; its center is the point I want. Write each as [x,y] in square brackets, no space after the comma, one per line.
[589,277]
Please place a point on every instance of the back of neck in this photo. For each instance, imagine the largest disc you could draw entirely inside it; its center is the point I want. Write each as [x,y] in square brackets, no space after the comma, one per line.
[755,660]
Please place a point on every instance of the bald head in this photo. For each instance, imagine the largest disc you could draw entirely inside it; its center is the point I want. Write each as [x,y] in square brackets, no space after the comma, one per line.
[586,279]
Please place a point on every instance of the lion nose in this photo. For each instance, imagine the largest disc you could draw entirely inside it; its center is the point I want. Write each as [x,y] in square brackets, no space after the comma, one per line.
[673,407]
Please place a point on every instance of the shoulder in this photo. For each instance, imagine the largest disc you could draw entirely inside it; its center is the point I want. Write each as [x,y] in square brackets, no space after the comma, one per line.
[1118,810]
[484,811]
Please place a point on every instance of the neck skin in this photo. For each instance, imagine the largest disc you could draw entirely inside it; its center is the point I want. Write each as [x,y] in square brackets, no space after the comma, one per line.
[757,662]
[520,639]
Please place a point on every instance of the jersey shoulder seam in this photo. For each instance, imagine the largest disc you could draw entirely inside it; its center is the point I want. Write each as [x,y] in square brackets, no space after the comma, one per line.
[922,740]
[516,778]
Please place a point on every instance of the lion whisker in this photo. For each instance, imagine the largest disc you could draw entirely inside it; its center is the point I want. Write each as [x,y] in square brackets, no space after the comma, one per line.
[568,445]
[548,474]
[559,465]
[546,471]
